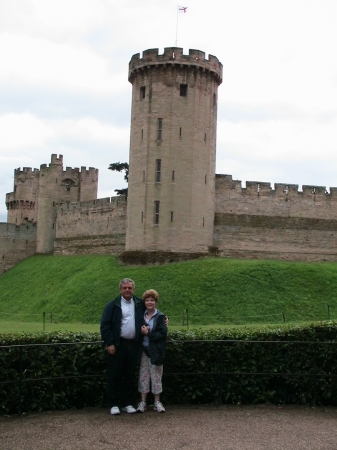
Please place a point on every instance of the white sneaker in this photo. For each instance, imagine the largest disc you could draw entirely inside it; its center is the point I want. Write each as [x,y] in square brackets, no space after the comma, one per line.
[114,410]
[129,409]
[141,407]
[158,406]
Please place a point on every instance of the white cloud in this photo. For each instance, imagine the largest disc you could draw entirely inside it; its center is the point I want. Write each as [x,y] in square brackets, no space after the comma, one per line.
[21,131]
[32,62]
[64,88]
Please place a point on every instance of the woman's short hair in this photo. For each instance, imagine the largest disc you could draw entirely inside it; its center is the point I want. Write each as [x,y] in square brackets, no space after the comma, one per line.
[150,293]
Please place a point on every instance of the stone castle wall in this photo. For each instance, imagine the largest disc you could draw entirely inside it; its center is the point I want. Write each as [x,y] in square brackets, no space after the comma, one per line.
[257,221]
[91,227]
[280,223]
[17,242]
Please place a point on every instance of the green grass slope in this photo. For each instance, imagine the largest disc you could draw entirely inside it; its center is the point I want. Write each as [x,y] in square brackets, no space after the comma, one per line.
[213,290]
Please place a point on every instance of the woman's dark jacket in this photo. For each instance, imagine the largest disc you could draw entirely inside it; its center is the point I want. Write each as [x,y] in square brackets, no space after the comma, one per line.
[157,340]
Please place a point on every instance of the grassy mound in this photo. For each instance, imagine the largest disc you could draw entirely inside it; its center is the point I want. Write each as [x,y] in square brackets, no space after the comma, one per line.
[212,290]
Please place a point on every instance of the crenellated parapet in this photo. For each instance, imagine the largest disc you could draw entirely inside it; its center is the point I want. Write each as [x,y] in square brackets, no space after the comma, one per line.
[225,183]
[261,199]
[110,202]
[26,172]
[174,57]
[20,204]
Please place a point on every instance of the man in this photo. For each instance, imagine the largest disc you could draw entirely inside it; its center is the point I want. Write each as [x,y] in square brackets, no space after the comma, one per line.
[120,329]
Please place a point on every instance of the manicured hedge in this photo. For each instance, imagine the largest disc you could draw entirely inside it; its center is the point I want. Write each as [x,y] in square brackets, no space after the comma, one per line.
[260,365]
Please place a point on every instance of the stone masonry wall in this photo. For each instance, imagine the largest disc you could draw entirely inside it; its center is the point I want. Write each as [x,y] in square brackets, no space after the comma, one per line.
[92,227]
[282,223]
[286,200]
[17,242]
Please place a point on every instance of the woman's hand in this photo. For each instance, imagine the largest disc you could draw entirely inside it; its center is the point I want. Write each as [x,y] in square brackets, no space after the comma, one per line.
[144,330]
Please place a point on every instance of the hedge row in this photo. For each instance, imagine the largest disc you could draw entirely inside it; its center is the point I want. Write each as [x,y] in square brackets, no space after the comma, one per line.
[279,365]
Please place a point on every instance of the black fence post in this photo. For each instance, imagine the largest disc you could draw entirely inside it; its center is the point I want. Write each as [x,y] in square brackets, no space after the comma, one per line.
[44,321]
[187,318]
[284,319]
[20,381]
[221,373]
[314,399]
[328,311]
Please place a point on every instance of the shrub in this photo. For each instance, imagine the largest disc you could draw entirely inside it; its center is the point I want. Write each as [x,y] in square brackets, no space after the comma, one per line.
[288,364]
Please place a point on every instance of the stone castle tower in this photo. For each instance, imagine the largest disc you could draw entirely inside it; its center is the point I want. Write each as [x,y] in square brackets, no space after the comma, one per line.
[37,192]
[172,150]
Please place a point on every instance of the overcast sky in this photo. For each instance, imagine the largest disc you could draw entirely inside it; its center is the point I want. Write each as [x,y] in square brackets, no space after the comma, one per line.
[64,86]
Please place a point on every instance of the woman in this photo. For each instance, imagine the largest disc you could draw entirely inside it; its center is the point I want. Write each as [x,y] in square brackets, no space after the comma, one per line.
[154,331]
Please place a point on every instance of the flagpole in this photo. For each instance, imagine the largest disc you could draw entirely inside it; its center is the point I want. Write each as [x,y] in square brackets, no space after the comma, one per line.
[177,26]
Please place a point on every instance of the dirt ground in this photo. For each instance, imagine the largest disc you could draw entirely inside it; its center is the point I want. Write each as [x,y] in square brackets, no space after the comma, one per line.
[262,427]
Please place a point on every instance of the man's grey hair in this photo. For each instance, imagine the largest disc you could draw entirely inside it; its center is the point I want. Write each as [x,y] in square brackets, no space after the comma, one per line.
[126,280]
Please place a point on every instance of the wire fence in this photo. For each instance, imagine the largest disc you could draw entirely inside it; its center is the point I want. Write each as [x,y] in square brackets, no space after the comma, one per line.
[184,318]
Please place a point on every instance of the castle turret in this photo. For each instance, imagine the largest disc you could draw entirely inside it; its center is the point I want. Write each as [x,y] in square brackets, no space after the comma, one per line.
[172,150]
[59,186]
[21,204]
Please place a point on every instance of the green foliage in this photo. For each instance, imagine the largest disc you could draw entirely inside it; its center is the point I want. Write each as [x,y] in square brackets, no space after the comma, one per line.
[69,364]
[233,366]
[214,291]
[121,167]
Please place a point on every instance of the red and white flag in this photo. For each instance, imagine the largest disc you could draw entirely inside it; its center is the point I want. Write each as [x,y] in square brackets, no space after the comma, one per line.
[182,9]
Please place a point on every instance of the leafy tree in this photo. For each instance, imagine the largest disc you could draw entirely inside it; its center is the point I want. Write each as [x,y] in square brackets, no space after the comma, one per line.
[120,167]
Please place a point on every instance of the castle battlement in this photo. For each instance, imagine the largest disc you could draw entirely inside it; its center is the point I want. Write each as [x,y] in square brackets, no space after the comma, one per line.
[259,188]
[56,160]
[12,203]
[173,56]
[69,172]
[89,172]
[26,171]
[113,202]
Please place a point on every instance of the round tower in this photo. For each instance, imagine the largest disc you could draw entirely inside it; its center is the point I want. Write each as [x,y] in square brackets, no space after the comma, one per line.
[21,203]
[172,150]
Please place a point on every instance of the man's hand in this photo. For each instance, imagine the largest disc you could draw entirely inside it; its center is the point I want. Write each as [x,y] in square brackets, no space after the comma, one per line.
[111,349]
[166,321]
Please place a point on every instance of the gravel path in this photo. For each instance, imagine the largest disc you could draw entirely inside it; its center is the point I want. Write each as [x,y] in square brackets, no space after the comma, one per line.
[262,427]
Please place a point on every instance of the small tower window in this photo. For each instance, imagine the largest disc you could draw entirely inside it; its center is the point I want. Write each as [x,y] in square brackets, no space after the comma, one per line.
[205,136]
[171,216]
[205,179]
[160,129]
[214,99]
[158,170]
[142,92]
[183,90]
[143,176]
[180,132]
[142,216]
[156,212]
[172,175]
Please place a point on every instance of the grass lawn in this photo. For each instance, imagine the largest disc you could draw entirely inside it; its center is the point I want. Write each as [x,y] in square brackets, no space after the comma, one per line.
[73,291]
